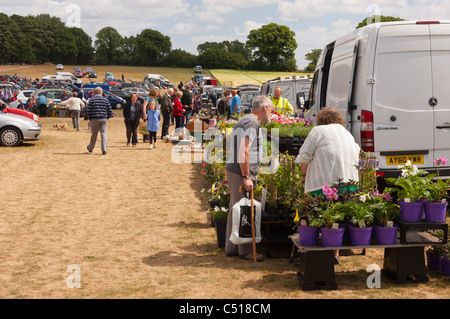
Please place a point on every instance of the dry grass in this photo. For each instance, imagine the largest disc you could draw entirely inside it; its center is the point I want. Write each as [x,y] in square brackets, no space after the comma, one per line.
[134,222]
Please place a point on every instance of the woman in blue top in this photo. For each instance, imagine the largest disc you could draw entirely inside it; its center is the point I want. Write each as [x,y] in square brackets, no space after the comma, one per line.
[153,117]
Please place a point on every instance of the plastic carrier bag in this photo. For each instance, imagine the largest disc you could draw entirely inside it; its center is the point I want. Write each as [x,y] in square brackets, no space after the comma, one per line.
[241,232]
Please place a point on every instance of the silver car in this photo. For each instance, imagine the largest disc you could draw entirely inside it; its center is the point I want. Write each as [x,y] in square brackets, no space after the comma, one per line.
[18,125]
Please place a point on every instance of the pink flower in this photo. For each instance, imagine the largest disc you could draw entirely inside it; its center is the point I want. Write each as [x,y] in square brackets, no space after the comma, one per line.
[440,161]
[330,193]
[387,197]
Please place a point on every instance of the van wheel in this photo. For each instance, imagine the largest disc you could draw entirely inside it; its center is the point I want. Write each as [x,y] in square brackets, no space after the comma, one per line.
[118,105]
[10,136]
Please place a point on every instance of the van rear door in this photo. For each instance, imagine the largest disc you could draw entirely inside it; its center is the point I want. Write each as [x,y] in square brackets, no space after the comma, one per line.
[440,99]
[403,121]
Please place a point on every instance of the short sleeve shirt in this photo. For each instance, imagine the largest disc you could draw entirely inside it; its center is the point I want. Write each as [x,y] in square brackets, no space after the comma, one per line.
[246,127]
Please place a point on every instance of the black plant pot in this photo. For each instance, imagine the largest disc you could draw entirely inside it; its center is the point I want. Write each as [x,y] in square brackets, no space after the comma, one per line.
[221,229]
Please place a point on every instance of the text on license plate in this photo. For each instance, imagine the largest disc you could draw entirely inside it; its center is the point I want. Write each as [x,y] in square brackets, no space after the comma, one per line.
[402,159]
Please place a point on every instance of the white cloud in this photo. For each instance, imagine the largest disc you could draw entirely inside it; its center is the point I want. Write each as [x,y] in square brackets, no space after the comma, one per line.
[317,37]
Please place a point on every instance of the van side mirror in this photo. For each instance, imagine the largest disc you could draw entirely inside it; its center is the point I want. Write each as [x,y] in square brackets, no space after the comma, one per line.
[301,100]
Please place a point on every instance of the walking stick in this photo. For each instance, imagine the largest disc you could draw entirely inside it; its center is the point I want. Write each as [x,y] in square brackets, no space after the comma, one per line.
[255,264]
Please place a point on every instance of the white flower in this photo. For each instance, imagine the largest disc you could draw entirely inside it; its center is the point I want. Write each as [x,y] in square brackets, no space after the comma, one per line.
[363,198]
[202,191]
[216,209]
[223,209]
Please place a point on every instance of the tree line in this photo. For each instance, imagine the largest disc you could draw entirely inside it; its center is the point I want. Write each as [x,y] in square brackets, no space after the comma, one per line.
[43,38]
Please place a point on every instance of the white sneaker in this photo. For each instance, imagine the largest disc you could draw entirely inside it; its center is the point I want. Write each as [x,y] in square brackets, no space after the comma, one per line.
[151,146]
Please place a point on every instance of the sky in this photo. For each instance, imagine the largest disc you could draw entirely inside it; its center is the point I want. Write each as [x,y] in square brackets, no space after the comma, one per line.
[189,23]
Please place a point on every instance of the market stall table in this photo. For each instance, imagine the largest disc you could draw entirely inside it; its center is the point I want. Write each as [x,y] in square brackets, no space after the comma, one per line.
[403,263]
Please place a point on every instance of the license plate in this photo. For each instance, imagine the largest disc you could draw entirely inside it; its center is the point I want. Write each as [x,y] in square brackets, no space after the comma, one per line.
[402,159]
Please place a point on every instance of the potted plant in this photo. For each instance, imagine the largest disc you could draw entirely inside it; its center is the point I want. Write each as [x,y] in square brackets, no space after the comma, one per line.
[332,234]
[362,218]
[308,220]
[445,262]
[220,216]
[412,187]
[433,255]
[436,208]
[384,212]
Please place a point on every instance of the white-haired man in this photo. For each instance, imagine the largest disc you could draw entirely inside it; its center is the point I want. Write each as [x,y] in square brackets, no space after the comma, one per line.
[243,164]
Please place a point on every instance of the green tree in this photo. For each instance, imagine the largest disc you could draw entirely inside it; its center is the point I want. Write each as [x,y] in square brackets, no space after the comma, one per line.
[151,46]
[108,46]
[84,52]
[179,58]
[378,18]
[312,57]
[273,47]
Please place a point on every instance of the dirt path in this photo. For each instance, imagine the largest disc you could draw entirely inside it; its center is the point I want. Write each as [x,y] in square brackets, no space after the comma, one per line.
[134,224]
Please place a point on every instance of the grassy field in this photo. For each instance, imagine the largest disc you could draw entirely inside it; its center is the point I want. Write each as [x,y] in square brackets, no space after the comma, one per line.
[239,77]
[134,223]
[175,75]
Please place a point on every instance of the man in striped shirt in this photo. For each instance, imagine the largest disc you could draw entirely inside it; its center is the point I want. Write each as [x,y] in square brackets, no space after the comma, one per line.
[98,112]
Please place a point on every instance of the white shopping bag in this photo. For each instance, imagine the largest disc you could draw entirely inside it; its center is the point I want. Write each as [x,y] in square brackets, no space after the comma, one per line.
[241,232]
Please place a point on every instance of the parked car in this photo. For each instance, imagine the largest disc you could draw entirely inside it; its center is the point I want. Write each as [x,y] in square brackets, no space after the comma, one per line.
[198,69]
[23,96]
[109,76]
[59,67]
[92,73]
[115,101]
[139,91]
[17,126]
[78,73]
[247,97]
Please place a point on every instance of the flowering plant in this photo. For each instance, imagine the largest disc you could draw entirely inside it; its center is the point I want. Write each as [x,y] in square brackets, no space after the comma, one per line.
[381,207]
[289,127]
[411,183]
[438,189]
[334,212]
[219,212]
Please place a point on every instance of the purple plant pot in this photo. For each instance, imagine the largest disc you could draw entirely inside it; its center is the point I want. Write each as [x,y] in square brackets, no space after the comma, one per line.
[346,238]
[386,235]
[433,262]
[435,212]
[360,236]
[423,200]
[445,265]
[410,212]
[308,235]
[332,237]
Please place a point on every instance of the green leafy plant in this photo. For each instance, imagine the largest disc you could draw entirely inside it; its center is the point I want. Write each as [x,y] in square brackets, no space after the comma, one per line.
[411,184]
[219,212]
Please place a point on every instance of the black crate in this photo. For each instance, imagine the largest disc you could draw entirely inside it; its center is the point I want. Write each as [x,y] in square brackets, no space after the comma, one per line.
[418,232]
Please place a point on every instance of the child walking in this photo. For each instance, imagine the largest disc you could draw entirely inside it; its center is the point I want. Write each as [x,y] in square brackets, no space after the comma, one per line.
[153,117]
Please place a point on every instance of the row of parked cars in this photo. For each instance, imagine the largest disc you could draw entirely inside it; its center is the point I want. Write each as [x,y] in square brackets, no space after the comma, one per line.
[17,125]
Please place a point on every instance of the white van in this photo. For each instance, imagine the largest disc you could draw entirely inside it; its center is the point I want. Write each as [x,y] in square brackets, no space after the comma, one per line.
[63,77]
[157,77]
[392,83]
[295,89]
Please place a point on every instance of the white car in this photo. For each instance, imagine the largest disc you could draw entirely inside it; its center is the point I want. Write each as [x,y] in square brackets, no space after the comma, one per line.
[17,126]
[59,67]
[22,96]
